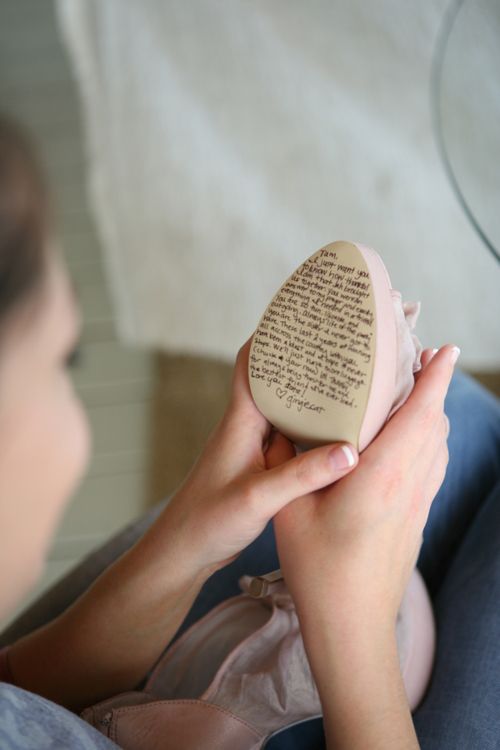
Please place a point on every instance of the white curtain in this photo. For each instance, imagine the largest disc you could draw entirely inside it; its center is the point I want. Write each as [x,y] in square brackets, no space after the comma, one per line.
[228,141]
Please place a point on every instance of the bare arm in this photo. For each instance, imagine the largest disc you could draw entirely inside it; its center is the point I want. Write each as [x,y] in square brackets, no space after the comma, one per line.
[347,553]
[359,681]
[107,640]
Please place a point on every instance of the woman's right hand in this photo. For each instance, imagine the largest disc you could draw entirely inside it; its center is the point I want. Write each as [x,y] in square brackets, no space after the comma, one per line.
[347,550]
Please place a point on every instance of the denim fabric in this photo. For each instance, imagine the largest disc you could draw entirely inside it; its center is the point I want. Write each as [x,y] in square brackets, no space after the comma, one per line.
[460,563]
[30,722]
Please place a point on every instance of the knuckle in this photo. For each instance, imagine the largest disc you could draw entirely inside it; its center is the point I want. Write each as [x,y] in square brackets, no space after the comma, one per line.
[247,490]
[446,456]
[304,472]
[252,498]
[446,425]
[428,415]
[243,348]
[440,469]
[239,354]
[418,499]
[394,478]
[387,475]
[442,473]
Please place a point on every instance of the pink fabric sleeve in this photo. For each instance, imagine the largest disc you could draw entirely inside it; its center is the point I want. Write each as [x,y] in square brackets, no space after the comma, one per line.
[5,673]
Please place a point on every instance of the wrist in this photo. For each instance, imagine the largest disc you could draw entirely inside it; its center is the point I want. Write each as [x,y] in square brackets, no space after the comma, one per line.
[171,546]
[360,684]
[339,614]
[348,638]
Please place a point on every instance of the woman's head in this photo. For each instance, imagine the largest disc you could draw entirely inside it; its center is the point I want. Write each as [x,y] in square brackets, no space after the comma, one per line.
[44,437]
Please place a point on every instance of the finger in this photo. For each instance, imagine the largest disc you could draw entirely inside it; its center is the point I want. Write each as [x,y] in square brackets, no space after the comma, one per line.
[431,388]
[423,407]
[434,479]
[425,358]
[279,451]
[242,412]
[427,355]
[240,387]
[290,476]
[412,427]
[434,445]
[436,437]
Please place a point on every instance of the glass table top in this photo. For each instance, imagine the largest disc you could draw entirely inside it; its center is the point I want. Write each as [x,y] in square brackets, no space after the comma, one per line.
[466,111]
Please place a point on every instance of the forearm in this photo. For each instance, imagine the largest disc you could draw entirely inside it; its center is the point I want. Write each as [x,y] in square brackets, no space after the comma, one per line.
[109,638]
[359,681]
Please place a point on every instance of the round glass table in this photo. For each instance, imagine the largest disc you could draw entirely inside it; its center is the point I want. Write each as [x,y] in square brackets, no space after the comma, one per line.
[466,110]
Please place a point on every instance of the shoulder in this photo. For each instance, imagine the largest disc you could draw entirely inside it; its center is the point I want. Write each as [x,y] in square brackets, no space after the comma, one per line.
[30,722]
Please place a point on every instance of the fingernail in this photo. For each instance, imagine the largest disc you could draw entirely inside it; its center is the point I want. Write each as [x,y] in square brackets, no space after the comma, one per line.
[341,457]
[434,351]
[454,354]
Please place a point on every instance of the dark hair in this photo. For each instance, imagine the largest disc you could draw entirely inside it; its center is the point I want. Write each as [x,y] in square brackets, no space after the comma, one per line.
[23,219]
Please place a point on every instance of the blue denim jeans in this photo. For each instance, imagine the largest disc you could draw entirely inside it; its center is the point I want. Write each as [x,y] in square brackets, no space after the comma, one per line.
[460,563]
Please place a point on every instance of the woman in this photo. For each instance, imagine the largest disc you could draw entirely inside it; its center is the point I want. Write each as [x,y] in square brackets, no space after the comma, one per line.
[356,530]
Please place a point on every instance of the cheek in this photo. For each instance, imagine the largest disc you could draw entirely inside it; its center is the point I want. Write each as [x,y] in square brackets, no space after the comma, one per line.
[62,455]
[68,451]
[49,457]
[46,448]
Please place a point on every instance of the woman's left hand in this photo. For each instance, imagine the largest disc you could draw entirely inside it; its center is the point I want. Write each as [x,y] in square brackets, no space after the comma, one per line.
[230,495]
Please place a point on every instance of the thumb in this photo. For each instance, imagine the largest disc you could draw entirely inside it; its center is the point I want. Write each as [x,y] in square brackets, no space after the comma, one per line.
[289,476]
